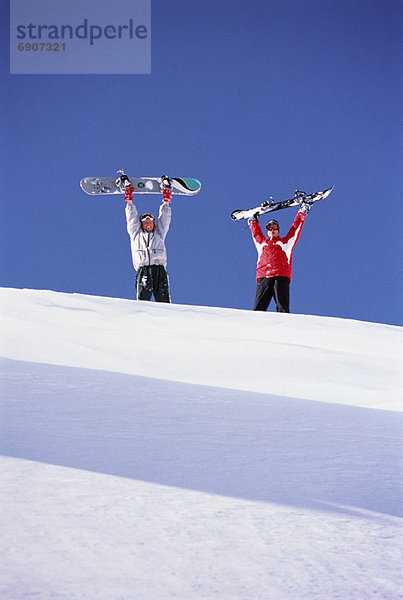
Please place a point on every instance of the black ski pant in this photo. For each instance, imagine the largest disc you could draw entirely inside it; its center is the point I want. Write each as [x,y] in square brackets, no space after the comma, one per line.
[267,287]
[152,279]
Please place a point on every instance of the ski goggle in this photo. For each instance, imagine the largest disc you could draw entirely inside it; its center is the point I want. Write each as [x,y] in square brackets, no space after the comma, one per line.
[272,227]
[146,217]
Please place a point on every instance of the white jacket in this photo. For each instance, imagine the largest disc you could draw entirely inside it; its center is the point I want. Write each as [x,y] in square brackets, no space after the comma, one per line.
[148,248]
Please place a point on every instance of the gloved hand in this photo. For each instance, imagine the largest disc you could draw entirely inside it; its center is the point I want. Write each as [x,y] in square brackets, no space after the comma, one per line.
[254,218]
[129,193]
[166,195]
[305,207]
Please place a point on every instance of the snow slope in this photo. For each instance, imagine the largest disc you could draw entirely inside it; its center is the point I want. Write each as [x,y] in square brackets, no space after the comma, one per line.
[161,451]
[317,358]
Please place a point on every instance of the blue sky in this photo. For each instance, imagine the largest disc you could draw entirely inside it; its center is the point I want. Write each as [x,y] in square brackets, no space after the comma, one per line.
[254,98]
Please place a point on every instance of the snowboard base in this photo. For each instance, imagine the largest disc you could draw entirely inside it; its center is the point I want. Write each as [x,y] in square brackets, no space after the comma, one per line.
[186,186]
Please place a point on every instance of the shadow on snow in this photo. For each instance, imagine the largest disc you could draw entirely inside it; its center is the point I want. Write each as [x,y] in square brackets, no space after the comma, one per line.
[234,443]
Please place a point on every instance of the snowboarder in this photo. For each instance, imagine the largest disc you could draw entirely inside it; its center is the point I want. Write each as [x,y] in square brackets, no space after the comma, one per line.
[149,255]
[274,265]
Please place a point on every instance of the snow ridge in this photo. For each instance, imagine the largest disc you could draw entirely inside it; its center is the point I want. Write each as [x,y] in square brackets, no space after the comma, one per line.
[299,356]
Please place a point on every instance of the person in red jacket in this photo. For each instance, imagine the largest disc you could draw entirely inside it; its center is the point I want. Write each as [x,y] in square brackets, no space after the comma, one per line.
[274,264]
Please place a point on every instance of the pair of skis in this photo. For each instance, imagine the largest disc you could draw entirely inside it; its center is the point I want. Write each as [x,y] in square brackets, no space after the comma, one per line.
[271,206]
[186,186]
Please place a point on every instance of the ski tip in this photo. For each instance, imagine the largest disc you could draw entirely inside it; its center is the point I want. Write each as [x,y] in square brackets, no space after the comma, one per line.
[328,191]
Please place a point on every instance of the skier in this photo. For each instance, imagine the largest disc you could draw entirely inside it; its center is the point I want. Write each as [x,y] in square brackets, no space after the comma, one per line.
[274,265]
[149,255]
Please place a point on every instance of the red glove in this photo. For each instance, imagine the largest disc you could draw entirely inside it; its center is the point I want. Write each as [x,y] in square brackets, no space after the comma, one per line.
[129,194]
[166,193]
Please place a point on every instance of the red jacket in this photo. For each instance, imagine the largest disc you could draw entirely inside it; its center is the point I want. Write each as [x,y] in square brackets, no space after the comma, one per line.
[275,256]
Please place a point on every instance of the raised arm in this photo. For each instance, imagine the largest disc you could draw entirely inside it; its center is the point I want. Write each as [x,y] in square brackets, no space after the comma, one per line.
[132,219]
[164,218]
[256,231]
[296,227]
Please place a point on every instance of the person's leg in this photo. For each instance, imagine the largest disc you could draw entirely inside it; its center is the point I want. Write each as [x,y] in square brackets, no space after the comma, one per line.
[161,284]
[264,293]
[144,284]
[282,294]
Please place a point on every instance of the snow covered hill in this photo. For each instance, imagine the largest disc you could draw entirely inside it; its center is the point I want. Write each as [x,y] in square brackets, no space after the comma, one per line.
[157,451]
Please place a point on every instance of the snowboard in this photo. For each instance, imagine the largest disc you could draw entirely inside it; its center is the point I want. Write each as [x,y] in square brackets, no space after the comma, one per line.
[271,205]
[187,186]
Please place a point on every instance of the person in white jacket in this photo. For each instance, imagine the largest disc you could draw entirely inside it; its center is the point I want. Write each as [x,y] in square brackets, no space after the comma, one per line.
[149,255]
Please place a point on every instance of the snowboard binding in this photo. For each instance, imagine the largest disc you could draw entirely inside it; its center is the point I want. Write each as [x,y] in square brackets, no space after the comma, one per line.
[125,185]
[166,188]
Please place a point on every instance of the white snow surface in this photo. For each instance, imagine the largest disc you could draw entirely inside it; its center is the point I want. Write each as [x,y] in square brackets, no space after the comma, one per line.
[157,451]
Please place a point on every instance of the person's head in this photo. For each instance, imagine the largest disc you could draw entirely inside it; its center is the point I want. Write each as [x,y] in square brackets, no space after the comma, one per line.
[147,222]
[273,229]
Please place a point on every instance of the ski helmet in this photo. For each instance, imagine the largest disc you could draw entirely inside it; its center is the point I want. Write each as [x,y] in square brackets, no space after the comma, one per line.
[272,222]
